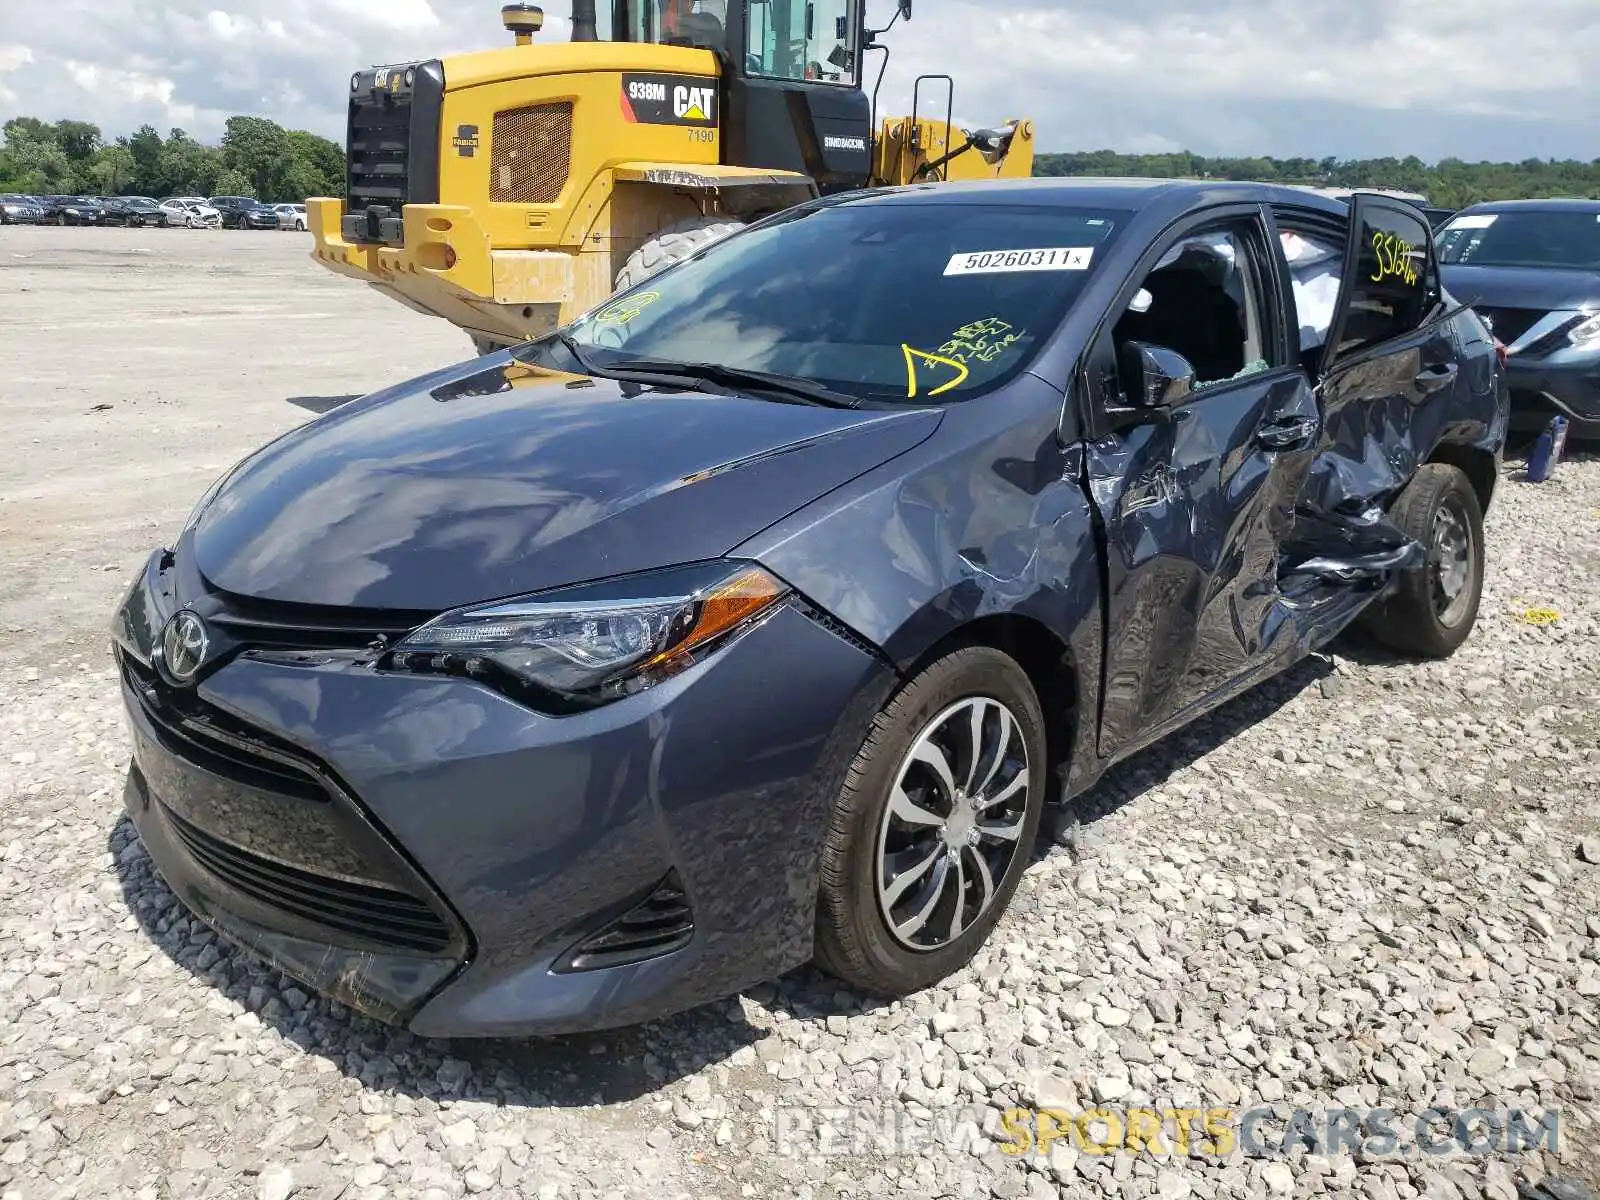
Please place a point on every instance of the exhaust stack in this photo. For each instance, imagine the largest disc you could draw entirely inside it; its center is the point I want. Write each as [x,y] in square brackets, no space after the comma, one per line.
[584,21]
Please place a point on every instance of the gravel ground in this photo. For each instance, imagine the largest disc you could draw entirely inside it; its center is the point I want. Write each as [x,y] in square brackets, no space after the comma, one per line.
[1370,882]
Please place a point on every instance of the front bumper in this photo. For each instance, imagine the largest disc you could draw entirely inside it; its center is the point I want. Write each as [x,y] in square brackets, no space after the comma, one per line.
[1565,383]
[340,798]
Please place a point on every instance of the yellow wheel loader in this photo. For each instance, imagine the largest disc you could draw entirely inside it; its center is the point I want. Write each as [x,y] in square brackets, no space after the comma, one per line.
[511,190]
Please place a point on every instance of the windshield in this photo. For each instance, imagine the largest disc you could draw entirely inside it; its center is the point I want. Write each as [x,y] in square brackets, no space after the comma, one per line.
[700,23]
[883,301]
[1522,239]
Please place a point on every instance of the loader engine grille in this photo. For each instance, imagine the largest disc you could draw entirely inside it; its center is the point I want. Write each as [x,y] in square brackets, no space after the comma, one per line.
[532,154]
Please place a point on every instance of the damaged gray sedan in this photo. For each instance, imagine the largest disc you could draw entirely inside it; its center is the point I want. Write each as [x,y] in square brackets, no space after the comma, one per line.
[753,617]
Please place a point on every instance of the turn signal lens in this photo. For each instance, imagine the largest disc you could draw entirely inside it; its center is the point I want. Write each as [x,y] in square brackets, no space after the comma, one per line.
[725,608]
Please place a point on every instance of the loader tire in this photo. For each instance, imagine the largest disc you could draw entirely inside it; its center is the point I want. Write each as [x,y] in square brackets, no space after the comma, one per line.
[485,345]
[674,244]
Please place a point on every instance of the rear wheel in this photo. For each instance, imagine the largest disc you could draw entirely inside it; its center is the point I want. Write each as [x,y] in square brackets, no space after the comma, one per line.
[934,826]
[1436,604]
[674,244]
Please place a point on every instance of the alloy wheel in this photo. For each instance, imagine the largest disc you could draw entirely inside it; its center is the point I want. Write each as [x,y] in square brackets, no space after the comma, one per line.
[1450,562]
[953,823]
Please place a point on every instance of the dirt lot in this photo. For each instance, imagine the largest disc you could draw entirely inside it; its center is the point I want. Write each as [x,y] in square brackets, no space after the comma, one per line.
[1370,883]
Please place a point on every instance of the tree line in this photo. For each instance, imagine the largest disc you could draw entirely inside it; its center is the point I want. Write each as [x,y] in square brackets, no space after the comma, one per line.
[256,157]
[1449,183]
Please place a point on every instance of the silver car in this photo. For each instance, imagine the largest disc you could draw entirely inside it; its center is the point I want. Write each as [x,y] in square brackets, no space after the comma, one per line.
[291,216]
[194,214]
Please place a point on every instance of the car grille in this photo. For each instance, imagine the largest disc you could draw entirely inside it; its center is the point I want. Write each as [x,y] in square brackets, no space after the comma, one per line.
[1508,324]
[381,916]
[297,840]
[658,925]
[226,748]
[531,155]
[273,625]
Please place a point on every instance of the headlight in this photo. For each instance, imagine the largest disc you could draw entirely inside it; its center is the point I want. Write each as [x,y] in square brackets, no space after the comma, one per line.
[1585,331]
[11,208]
[586,645]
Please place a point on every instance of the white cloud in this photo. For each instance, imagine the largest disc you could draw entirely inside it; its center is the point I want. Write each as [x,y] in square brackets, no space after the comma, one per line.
[12,57]
[1315,77]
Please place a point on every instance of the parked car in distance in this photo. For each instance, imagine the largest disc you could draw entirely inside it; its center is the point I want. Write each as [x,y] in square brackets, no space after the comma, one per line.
[1437,216]
[1531,268]
[244,212]
[291,216]
[17,209]
[73,210]
[193,214]
[135,212]
[749,619]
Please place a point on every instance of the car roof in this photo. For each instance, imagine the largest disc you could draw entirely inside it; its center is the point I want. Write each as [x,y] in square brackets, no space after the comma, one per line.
[1552,205]
[1128,194]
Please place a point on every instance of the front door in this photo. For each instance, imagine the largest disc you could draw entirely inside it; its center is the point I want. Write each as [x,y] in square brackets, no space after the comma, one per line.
[1196,497]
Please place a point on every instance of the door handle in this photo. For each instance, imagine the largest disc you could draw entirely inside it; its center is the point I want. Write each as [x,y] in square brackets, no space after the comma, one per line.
[1282,435]
[1432,379]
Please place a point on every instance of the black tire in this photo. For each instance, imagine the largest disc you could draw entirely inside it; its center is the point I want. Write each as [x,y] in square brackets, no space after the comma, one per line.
[1425,616]
[673,244]
[853,938]
[485,345]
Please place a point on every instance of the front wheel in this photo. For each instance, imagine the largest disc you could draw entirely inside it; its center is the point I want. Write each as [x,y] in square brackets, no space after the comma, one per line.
[934,826]
[1435,606]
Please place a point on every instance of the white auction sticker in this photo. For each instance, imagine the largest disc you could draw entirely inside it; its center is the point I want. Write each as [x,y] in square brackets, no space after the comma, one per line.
[995,262]
[1476,221]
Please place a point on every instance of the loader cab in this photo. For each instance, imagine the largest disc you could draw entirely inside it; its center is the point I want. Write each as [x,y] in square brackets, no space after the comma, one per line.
[791,94]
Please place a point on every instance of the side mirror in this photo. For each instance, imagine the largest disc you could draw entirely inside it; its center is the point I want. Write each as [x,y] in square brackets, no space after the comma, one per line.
[905,9]
[1156,376]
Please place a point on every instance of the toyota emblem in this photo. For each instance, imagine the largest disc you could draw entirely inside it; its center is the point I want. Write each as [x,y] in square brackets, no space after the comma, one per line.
[184,643]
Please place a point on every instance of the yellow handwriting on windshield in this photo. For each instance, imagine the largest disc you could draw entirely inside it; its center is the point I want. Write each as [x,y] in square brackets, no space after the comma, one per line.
[626,310]
[914,356]
[981,341]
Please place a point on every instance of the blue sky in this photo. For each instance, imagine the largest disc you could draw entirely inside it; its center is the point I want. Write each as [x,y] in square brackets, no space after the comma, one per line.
[1351,78]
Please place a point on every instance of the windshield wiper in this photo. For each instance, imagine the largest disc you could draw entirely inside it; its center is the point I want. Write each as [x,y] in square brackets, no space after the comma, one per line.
[792,386]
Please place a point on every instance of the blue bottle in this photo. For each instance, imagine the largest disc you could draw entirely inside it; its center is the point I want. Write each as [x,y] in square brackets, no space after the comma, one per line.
[1546,454]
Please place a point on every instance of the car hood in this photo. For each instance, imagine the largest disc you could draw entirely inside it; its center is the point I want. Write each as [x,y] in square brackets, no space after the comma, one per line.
[1546,288]
[494,479]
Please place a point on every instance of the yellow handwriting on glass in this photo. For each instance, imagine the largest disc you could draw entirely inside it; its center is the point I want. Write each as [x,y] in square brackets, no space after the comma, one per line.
[914,356]
[1397,258]
[624,311]
[981,341]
